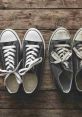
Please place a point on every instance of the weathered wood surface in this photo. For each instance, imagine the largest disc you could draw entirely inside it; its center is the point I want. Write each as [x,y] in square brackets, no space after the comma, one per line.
[40,4]
[39,113]
[42,100]
[41,19]
[45,15]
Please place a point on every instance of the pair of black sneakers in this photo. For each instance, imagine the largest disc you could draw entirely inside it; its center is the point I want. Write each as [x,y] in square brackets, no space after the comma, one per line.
[21,63]
[65,57]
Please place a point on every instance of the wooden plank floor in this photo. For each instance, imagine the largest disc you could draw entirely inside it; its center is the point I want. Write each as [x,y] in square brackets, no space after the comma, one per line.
[46,15]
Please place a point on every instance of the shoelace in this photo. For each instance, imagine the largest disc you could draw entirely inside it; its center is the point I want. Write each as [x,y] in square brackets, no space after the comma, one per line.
[9,62]
[62,54]
[78,51]
[31,58]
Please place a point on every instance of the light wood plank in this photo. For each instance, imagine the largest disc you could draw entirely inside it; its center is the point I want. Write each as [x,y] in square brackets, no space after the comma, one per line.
[41,19]
[40,4]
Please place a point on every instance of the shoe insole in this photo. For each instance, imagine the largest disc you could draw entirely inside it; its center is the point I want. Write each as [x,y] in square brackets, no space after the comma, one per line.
[65,81]
[79,80]
[11,84]
[30,82]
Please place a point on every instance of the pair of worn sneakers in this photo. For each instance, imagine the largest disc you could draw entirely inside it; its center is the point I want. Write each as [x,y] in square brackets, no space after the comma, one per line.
[23,64]
[65,57]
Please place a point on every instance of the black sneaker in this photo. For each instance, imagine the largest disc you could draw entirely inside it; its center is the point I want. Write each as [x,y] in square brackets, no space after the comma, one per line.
[10,53]
[77,59]
[33,54]
[60,58]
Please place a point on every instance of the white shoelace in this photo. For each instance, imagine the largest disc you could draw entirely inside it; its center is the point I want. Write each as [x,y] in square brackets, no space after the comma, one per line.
[62,54]
[31,58]
[9,55]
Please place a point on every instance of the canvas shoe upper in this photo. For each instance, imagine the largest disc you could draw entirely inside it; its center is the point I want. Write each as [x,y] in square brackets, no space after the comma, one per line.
[60,58]
[10,56]
[77,59]
[33,53]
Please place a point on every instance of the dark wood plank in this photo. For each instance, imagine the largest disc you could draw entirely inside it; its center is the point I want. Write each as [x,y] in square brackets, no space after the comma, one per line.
[39,113]
[41,19]
[40,4]
[42,100]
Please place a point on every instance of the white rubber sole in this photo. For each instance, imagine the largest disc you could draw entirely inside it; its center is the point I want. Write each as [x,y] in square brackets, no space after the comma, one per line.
[76,34]
[60,28]
[13,33]
[34,29]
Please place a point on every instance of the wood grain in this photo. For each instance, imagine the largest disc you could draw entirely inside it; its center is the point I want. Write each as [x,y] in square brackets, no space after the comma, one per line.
[5,4]
[45,15]
[42,100]
[39,113]
[41,19]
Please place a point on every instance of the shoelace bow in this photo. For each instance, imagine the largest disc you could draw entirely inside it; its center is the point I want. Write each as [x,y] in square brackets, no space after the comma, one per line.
[61,54]
[78,51]
[9,62]
[31,58]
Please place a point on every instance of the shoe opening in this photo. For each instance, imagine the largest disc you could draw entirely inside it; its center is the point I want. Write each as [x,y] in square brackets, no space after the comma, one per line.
[11,84]
[66,81]
[30,82]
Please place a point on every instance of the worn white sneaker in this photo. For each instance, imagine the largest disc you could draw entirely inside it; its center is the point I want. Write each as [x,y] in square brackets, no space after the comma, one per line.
[10,56]
[60,58]
[33,54]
